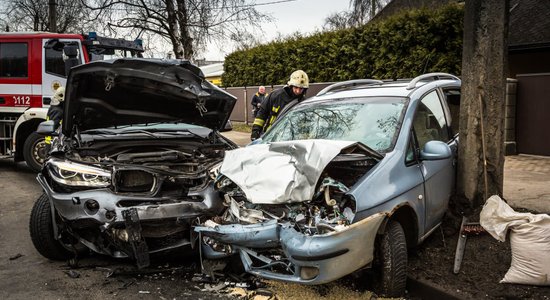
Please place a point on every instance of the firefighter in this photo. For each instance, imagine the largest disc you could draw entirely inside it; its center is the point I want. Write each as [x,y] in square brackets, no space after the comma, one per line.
[55,112]
[274,104]
[257,100]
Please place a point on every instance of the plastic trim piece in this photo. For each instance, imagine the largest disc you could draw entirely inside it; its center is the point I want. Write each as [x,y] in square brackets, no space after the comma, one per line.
[349,83]
[434,76]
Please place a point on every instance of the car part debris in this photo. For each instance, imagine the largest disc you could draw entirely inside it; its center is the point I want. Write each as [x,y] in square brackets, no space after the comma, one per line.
[466,229]
[72,273]
[16,256]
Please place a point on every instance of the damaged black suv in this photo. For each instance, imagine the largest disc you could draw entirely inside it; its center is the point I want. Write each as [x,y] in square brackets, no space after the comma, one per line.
[133,165]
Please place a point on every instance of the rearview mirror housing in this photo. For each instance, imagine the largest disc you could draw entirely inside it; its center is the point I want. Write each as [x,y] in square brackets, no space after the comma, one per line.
[435,150]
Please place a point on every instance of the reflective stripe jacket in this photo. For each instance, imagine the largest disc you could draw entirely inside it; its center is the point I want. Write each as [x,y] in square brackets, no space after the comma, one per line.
[55,113]
[272,106]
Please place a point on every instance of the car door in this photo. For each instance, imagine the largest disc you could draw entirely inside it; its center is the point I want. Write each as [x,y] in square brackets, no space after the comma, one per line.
[430,123]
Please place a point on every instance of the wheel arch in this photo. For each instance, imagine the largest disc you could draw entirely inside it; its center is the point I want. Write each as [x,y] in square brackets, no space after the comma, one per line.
[406,216]
[23,131]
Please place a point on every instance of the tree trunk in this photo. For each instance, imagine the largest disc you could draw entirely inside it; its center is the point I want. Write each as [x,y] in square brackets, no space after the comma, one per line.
[173,30]
[185,35]
[484,69]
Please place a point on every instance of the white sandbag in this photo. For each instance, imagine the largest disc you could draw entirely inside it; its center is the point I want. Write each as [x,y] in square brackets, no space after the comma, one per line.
[529,239]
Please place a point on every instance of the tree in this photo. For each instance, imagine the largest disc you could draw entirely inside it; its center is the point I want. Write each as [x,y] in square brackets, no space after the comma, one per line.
[338,21]
[187,24]
[365,10]
[361,12]
[484,66]
[32,15]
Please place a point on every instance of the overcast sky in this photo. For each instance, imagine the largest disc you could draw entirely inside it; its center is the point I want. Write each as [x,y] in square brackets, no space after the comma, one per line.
[304,16]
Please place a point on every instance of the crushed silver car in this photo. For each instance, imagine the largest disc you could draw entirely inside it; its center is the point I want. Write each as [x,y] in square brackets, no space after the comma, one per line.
[345,180]
[132,168]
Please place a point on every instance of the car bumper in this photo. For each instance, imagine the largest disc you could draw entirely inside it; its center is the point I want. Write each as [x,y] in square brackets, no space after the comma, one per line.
[315,259]
[72,206]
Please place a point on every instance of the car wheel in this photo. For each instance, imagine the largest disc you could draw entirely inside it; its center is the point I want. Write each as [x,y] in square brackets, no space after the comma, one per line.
[391,265]
[42,234]
[34,151]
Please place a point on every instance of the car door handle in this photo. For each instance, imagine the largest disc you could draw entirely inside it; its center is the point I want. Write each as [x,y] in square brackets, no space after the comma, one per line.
[2,100]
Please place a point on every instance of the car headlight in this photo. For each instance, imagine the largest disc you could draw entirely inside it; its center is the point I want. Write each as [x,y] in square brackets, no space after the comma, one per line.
[74,174]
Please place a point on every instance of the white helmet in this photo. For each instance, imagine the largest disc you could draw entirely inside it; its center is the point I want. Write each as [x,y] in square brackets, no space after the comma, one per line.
[299,79]
[58,96]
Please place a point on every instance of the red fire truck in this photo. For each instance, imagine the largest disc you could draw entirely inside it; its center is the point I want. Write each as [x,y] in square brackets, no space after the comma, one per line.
[31,69]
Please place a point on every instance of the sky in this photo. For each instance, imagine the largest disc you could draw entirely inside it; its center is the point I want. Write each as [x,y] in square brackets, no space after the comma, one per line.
[305,16]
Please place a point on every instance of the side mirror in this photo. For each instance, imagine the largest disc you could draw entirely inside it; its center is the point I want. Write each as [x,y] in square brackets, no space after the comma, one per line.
[435,150]
[46,128]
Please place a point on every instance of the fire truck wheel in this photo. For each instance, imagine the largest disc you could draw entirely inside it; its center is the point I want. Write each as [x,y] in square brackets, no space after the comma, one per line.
[34,151]
[42,233]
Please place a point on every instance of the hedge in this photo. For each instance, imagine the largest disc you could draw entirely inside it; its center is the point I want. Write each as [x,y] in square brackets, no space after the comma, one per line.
[403,46]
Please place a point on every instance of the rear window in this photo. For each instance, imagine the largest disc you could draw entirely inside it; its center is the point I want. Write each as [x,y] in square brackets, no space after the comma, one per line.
[14,60]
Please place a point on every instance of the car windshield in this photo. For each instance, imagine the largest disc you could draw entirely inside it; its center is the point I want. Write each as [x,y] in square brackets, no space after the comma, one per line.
[374,122]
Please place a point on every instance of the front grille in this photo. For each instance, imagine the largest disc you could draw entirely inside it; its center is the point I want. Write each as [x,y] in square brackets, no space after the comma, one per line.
[134,181]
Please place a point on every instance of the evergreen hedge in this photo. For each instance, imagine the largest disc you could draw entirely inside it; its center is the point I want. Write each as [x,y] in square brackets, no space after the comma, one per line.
[402,46]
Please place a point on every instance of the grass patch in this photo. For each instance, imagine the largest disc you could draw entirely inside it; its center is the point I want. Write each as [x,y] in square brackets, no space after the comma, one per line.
[242,127]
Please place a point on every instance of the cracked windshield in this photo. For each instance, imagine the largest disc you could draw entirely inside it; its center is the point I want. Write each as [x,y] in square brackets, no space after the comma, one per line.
[373,122]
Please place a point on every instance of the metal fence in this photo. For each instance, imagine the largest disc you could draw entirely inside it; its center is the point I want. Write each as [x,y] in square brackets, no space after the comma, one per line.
[243,109]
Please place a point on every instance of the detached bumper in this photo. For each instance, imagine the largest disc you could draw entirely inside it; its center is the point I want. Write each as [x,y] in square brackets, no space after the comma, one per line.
[315,259]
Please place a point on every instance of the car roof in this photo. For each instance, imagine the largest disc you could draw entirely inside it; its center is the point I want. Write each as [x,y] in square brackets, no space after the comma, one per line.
[377,88]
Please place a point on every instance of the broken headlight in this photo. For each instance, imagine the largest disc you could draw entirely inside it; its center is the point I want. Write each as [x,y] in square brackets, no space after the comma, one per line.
[74,174]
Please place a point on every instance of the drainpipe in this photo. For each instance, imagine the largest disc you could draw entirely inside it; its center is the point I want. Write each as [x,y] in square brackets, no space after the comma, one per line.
[245,108]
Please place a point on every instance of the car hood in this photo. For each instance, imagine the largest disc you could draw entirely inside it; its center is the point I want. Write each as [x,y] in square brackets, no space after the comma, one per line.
[137,91]
[297,166]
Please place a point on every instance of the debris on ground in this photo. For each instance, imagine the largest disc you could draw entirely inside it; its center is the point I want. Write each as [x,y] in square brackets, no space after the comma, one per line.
[72,274]
[529,239]
[127,284]
[16,256]
[485,262]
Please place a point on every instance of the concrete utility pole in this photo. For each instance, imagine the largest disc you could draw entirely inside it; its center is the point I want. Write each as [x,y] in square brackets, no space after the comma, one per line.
[484,71]
[52,16]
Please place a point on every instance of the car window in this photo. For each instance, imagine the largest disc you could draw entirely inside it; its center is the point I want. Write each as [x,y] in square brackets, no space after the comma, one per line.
[452,96]
[373,121]
[429,121]
[410,157]
[54,63]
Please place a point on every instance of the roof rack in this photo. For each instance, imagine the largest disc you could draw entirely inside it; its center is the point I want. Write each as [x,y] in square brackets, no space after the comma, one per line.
[349,83]
[433,76]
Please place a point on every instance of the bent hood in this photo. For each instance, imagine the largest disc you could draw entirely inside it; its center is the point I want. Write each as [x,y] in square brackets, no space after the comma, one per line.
[280,172]
[136,91]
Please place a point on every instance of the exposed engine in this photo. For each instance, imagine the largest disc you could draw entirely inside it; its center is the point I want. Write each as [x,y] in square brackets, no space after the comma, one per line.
[329,209]
[162,168]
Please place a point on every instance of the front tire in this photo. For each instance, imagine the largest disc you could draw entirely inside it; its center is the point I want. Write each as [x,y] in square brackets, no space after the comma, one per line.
[392,261]
[42,234]
[34,151]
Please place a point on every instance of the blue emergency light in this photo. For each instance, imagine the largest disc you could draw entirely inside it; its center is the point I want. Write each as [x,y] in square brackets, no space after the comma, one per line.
[92,35]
